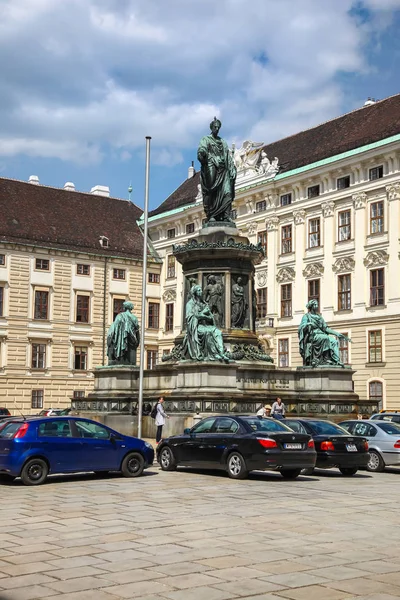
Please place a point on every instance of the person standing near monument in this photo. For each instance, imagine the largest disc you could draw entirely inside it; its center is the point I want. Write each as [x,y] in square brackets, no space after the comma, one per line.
[218,175]
[278,409]
[161,416]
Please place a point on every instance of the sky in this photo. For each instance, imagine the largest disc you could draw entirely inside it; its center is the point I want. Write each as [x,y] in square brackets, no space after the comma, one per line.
[82,82]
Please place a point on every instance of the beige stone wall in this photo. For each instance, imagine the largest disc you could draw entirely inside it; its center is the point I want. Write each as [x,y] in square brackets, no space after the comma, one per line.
[60,333]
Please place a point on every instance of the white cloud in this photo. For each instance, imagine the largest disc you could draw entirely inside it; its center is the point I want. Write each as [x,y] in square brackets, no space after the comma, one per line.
[85,78]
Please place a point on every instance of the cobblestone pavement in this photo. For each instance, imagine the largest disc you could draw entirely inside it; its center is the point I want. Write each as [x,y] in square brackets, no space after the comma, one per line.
[201,536]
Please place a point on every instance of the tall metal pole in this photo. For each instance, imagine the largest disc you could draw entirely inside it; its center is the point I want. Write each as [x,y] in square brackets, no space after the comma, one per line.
[144,282]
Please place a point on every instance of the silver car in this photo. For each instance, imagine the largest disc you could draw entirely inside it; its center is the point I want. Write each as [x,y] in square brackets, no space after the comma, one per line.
[386,416]
[383,441]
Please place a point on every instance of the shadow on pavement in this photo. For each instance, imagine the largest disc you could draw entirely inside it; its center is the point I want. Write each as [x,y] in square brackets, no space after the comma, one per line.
[59,478]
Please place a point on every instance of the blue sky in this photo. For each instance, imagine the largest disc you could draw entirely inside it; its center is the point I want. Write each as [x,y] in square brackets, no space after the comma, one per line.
[83,82]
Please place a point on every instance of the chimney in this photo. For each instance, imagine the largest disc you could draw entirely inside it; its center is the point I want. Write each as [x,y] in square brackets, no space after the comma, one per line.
[191,171]
[100,190]
[34,179]
[69,186]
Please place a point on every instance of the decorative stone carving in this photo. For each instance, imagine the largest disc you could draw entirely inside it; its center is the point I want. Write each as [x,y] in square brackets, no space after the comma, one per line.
[252,159]
[359,200]
[193,244]
[252,228]
[239,303]
[344,265]
[249,352]
[199,197]
[313,270]
[169,295]
[214,297]
[262,278]
[328,209]
[272,223]
[271,200]
[299,216]
[393,191]
[376,258]
[285,274]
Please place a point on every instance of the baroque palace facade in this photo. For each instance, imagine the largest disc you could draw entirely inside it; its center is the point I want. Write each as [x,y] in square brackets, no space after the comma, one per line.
[68,260]
[325,206]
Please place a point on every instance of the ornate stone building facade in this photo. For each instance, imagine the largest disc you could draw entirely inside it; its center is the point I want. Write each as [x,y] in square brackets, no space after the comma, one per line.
[67,262]
[326,209]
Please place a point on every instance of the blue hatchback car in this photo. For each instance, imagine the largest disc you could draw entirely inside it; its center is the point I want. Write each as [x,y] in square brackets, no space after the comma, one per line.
[32,448]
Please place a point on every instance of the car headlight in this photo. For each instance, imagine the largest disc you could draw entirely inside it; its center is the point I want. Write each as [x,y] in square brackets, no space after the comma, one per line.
[148,445]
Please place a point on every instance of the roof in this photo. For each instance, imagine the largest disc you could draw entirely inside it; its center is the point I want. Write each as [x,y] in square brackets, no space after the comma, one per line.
[68,220]
[358,128]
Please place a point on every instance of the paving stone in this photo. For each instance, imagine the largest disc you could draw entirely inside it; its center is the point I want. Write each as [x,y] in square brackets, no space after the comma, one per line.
[77,572]
[338,572]
[363,586]
[313,592]
[33,592]
[225,562]
[295,579]
[25,581]
[201,593]
[190,580]
[246,587]
[140,588]
[79,584]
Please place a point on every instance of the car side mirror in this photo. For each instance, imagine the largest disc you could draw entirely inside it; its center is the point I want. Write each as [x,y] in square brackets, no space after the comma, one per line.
[186,431]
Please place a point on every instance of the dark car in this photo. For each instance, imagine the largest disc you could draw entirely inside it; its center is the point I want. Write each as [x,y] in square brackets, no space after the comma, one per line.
[387,415]
[239,444]
[4,413]
[334,446]
[32,448]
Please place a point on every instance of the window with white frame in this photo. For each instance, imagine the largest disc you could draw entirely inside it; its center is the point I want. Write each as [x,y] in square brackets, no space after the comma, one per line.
[344,225]
[286,239]
[314,233]
[286,199]
[152,356]
[375,392]
[82,269]
[261,206]
[343,182]
[119,274]
[344,350]
[375,346]
[1,300]
[38,356]
[376,218]
[80,358]
[283,352]
[42,264]
[2,260]
[376,173]
[37,397]
[344,292]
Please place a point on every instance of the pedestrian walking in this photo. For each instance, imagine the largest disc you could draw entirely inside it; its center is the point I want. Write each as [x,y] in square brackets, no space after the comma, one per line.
[278,409]
[264,411]
[160,419]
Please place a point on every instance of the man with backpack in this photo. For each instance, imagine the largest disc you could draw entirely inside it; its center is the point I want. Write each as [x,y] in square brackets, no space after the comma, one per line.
[158,413]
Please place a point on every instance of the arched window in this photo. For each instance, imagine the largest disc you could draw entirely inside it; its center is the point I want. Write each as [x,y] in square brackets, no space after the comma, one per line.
[376,392]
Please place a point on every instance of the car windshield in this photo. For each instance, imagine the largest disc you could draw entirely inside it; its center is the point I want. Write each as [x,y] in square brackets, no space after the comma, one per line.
[391,428]
[326,428]
[257,424]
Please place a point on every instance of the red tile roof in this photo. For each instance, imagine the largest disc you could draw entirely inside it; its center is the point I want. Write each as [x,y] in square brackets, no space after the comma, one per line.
[358,128]
[58,218]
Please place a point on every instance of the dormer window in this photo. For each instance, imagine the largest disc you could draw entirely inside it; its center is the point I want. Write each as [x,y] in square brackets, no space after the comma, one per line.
[104,241]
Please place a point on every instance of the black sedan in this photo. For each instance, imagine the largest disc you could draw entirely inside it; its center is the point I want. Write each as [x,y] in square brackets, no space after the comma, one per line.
[239,444]
[334,446]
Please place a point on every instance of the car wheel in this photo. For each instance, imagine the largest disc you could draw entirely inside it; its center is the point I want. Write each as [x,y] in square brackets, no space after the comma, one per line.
[375,463]
[309,471]
[34,471]
[167,459]
[132,465]
[236,466]
[348,471]
[290,473]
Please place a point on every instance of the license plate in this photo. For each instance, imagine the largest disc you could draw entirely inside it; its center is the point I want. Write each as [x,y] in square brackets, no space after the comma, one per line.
[293,446]
[351,448]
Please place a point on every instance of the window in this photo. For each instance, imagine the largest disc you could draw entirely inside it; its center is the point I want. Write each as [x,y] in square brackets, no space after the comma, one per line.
[286,300]
[82,309]
[42,264]
[344,350]
[171,267]
[226,425]
[104,241]
[119,273]
[377,287]
[169,317]
[377,217]
[171,233]
[286,239]
[166,351]
[190,228]
[55,429]
[154,315]
[344,292]
[117,306]
[78,394]
[204,426]
[233,214]
[37,398]
[376,173]
[152,356]
[261,303]
[314,233]
[261,206]
[2,260]
[343,183]
[38,356]
[376,392]
[1,301]
[344,225]
[80,358]
[154,278]
[313,290]
[283,352]
[83,269]
[87,429]
[286,199]
[375,346]
[262,238]
[41,305]
[313,191]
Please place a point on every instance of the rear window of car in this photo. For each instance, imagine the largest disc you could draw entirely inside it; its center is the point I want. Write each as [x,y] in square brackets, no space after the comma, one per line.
[257,424]
[384,417]
[296,426]
[391,428]
[8,430]
[5,411]
[326,428]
